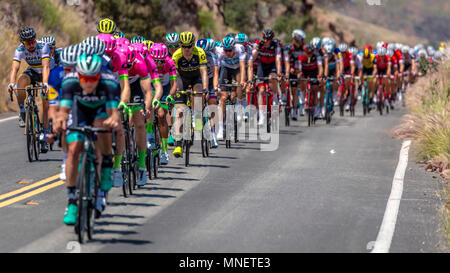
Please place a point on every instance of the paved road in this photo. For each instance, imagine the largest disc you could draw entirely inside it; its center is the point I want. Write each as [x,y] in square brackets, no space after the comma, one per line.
[324,189]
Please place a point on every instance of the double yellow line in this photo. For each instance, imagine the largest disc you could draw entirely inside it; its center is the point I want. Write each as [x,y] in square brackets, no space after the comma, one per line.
[31,193]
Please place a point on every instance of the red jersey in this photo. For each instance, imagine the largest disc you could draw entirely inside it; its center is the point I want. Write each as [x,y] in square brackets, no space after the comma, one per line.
[383,62]
[348,59]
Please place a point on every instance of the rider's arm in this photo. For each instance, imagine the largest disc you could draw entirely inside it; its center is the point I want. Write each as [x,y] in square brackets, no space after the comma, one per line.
[126,90]
[204,73]
[242,71]
[14,69]
[45,70]
[216,70]
[325,66]
[147,90]
[320,66]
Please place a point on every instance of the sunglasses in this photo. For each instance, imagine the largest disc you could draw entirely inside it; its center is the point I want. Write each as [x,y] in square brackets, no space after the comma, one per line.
[186,46]
[29,42]
[173,46]
[160,61]
[228,50]
[90,79]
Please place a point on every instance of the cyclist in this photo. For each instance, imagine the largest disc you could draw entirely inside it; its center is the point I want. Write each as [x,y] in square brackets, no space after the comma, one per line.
[310,66]
[69,56]
[92,95]
[37,56]
[368,67]
[242,39]
[384,65]
[292,52]
[191,64]
[107,26]
[268,53]
[395,77]
[231,59]
[208,45]
[409,65]
[347,68]
[164,77]
[331,66]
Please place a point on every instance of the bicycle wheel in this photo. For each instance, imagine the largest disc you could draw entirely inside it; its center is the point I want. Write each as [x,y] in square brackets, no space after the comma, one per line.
[92,201]
[186,150]
[155,165]
[36,135]
[29,135]
[148,163]
[80,225]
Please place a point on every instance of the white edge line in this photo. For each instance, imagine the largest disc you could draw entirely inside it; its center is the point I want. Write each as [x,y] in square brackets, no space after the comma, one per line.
[6,119]
[384,238]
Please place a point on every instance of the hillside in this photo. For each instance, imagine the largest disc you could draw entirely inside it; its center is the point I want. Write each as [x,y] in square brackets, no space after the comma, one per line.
[364,32]
[425,19]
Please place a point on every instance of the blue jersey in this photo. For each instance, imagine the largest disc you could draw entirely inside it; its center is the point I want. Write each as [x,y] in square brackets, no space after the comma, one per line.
[55,82]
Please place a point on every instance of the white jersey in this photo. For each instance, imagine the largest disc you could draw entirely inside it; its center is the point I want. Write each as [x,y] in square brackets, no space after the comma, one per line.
[33,59]
[212,61]
[233,62]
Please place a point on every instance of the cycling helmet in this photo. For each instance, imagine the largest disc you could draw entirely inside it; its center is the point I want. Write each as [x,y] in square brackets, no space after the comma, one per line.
[89,64]
[405,49]
[382,51]
[148,44]
[98,45]
[137,39]
[86,49]
[228,42]
[49,40]
[129,53]
[140,49]
[203,44]
[299,35]
[218,44]
[390,52]
[367,50]
[172,38]
[326,40]
[333,42]
[329,48]
[288,47]
[308,48]
[122,42]
[187,38]
[398,46]
[343,47]
[353,50]
[390,46]
[27,34]
[211,44]
[268,34]
[241,38]
[159,51]
[109,41]
[316,42]
[106,26]
[119,34]
[430,50]
[70,54]
[422,53]
[380,44]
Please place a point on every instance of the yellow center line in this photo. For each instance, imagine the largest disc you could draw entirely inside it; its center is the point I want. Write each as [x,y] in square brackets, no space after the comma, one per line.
[34,185]
[31,193]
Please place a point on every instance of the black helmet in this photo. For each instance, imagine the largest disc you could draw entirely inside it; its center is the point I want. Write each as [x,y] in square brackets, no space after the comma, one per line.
[27,34]
[268,34]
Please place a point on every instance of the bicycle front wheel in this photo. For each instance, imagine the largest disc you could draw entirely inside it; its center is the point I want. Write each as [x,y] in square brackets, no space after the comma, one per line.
[29,135]
[80,226]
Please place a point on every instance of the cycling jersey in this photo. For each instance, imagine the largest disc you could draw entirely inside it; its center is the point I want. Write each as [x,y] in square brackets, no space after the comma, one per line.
[399,55]
[347,58]
[55,85]
[167,73]
[383,63]
[152,69]
[310,66]
[34,59]
[190,68]
[369,62]
[211,63]
[233,62]
[248,48]
[138,71]
[291,56]
[268,55]
[88,107]
[333,61]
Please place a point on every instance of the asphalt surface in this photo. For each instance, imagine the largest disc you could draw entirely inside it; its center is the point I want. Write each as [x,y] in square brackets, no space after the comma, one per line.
[324,189]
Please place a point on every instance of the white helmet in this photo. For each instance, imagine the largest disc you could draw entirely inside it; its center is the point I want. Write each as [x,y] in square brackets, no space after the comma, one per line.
[418,47]
[379,44]
[405,49]
[343,47]
[329,48]
[353,50]
[390,52]
[391,46]
[422,53]
[430,50]
[298,34]
[316,42]
[382,51]
[326,40]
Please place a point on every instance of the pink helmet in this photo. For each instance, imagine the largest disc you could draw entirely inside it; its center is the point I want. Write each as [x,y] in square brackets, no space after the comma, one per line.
[128,53]
[141,49]
[159,51]
[109,40]
[122,42]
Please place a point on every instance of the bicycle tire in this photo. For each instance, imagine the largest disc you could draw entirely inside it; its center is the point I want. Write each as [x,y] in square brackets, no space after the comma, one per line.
[37,132]
[82,202]
[156,161]
[91,211]
[186,150]
[29,136]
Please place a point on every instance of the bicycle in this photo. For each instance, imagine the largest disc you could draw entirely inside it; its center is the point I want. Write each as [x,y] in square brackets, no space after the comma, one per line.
[287,105]
[267,99]
[328,100]
[153,159]
[33,126]
[343,98]
[365,94]
[87,184]
[381,95]
[229,88]
[309,100]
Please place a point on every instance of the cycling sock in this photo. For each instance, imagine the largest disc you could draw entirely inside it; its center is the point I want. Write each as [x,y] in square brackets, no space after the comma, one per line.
[71,193]
[117,160]
[106,180]
[149,128]
[141,158]
[164,144]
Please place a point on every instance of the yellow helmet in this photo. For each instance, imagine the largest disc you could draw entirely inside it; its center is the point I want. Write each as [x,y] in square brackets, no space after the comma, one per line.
[148,43]
[187,38]
[443,44]
[106,26]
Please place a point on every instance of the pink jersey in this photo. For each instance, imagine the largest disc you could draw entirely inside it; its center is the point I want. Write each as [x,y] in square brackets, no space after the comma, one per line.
[118,61]
[138,71]
[152,70]
[121,42]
